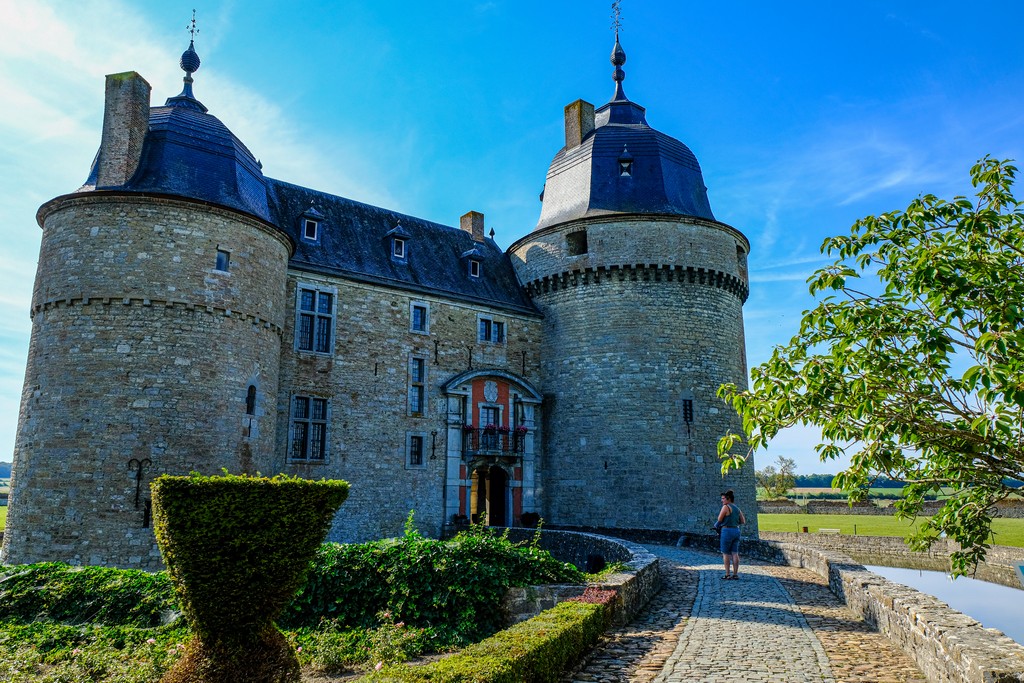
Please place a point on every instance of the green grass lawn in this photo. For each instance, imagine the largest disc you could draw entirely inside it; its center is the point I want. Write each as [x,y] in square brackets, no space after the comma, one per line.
[1005,531]
[3,516]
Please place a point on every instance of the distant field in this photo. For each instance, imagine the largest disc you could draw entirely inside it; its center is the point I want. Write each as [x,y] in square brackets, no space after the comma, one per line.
[1005,531]
[3,516]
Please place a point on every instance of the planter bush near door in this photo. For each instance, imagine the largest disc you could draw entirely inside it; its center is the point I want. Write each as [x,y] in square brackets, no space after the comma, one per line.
[237,548]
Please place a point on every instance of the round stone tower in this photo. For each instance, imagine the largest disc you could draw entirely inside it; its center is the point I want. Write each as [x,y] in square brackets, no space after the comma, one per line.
[642,293]
[156,322]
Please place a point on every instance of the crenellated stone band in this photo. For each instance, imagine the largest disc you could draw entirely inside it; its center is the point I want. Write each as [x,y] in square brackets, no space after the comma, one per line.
[640,272]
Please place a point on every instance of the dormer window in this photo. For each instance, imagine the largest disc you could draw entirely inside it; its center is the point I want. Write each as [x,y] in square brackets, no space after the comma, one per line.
[625,163]
[310,229]
[399,239]
[474,261]
[311,224]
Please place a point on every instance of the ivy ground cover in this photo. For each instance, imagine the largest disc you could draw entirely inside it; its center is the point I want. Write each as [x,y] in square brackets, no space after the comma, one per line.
[362,604]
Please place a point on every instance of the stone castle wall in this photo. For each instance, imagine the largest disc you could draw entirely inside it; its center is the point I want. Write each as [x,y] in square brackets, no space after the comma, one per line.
[647,467]
[140,351]
[366,382]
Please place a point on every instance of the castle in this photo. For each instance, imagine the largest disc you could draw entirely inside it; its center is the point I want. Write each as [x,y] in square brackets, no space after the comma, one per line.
[191,314]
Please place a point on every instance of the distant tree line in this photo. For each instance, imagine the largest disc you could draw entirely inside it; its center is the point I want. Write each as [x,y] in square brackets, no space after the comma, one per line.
[809,481]
[5,470]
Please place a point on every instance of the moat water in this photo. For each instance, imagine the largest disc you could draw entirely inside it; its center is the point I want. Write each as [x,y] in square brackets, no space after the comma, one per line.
[993,605]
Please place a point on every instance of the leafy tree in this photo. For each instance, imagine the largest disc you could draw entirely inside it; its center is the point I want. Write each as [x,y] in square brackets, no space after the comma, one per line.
[813,480]
[777,482]
[920,378]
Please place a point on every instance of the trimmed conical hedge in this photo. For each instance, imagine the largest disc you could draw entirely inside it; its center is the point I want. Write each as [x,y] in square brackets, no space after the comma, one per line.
[237,548]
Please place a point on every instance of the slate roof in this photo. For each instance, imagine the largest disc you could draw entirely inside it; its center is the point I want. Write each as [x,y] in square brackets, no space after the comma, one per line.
[585,181]
[188,152]
[355,242]
[193,154]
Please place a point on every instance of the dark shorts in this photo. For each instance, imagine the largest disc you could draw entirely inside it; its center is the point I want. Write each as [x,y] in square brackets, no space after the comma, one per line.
[730,541]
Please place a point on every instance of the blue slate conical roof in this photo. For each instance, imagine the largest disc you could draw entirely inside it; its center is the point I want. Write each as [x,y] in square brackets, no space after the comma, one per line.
[589,180]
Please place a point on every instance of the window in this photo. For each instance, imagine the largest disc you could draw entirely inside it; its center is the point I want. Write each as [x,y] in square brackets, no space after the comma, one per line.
[688,410]
[398,248]
[414,451]
[576,242]
[490,421]
[490,416]
[310,229]
[250,400]
[309,429]
[474,268]
[311,224]
[223,259]
[417,386]
[625,163]
[419,317]
[315,324]
[491,331]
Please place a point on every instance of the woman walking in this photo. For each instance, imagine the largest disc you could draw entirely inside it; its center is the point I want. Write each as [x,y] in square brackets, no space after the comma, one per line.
[730,517]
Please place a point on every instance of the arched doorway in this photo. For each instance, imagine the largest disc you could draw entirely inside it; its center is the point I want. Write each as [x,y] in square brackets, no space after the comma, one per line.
[489,498]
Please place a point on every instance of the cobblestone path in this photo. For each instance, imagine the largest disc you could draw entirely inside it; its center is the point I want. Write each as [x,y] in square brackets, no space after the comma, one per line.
[774,624]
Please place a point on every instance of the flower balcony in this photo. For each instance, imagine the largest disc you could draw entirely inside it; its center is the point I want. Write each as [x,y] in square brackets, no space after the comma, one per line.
[493,441]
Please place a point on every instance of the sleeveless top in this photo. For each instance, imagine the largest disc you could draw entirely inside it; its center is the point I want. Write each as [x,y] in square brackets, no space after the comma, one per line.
[732,520]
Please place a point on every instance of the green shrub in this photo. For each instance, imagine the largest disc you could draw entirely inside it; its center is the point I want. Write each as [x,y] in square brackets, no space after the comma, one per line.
[538,650]
[237,548]
[79,595]
[45,652]
[452,586]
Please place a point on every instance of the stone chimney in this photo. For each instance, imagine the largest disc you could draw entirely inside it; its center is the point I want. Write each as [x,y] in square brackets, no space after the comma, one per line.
[125,122]
[579,121]
[473,223]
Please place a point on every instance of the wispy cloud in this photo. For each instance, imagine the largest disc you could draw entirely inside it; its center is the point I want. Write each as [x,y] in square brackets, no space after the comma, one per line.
[54,58]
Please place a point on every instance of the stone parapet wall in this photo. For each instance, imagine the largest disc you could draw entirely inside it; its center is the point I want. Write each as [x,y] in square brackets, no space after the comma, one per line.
[780,507]
[1006,509]
[946,645]
[1010,509]
[842,507]
[999,565]
[635,586]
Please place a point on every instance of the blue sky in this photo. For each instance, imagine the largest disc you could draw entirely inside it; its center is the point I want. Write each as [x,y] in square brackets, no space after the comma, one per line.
[804,115]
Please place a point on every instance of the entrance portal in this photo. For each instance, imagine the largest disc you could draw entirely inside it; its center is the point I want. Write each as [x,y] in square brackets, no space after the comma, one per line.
[489,496]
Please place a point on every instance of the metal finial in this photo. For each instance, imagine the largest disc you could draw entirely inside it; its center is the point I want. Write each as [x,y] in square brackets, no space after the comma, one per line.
[191,26]
[189,59]
[618,54]
[189,63]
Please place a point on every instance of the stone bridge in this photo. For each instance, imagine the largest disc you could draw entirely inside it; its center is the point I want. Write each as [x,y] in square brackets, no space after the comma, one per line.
[797,613]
